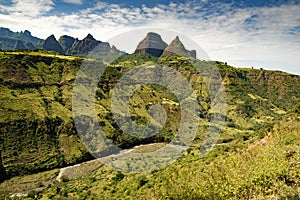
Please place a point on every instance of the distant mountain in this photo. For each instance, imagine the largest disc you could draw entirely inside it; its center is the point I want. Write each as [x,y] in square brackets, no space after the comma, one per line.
[9,38]
[152,44]
[67,45]
[30,46]
[51,44]
[66,42]
[19,45]
[177,48]
[84,46]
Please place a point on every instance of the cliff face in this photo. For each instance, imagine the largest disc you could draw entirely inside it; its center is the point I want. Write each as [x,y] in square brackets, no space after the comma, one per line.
[51,44]
[177,48]
[19,45]
[84,46]
[66,42]
[152,44]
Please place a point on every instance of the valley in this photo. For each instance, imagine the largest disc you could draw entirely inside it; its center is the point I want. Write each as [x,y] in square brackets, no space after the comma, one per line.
[255,156]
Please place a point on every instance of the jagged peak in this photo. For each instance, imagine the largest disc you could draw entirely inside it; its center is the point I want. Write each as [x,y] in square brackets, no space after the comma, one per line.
[152,44]
[51,37]
[89,37]
[152,33]
[66,36]
[26,32]
[176,47]
[52,44]
[176,41]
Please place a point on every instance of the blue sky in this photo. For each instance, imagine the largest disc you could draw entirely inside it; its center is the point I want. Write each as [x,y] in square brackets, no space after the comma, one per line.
[258,33]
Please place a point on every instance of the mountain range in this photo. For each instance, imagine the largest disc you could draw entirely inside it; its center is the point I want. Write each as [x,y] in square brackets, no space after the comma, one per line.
[152,44]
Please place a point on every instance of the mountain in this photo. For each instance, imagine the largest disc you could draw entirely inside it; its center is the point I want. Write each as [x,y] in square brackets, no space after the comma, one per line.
[9,38]
[29,46]
[83,47]
[152,44]
[51,44]
[176,48]
[67,45]
[19,45]
[66,42]
[89,45]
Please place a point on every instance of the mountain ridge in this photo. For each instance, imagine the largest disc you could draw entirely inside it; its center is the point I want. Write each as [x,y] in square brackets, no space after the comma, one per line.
[67,45]
[152,44]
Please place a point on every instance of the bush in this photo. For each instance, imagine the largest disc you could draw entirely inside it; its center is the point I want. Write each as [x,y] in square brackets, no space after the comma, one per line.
[65,178]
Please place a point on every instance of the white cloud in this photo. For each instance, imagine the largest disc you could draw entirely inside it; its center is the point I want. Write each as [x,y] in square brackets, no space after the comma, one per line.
[31,8]
[77,2]
[242,37]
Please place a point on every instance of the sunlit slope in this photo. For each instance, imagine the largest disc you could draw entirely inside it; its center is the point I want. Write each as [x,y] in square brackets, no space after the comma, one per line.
[37,129]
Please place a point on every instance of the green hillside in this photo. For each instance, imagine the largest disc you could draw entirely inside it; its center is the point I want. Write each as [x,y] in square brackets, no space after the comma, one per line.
[265,169]
[38,132]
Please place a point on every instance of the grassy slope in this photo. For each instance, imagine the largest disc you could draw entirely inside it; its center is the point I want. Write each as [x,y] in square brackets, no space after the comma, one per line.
[267,168]
[37,129]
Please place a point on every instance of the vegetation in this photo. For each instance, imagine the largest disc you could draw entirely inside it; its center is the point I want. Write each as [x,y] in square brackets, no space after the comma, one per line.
[255,156]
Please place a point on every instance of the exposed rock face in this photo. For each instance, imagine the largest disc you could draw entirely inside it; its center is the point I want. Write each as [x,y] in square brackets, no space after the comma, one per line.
[2,170]
[51,44]
[103,48]
[193,53]
[30,46]
[114,49]
[152,44]
[19,45]
[84,46]
[26,32]
[66,42]
[177,48]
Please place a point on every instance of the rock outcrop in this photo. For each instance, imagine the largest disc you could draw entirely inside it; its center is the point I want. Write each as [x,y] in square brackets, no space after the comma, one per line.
[177,48]
[51,44]
[30,46]
[81,47]
[66,42]
[152,44]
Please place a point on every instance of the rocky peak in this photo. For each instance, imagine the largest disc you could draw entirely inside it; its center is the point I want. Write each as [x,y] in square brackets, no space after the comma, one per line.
[89,37]
[51,44]
[177,48]
[114,49]
[66,42]
[152,44]
[82,47]
[26,32]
